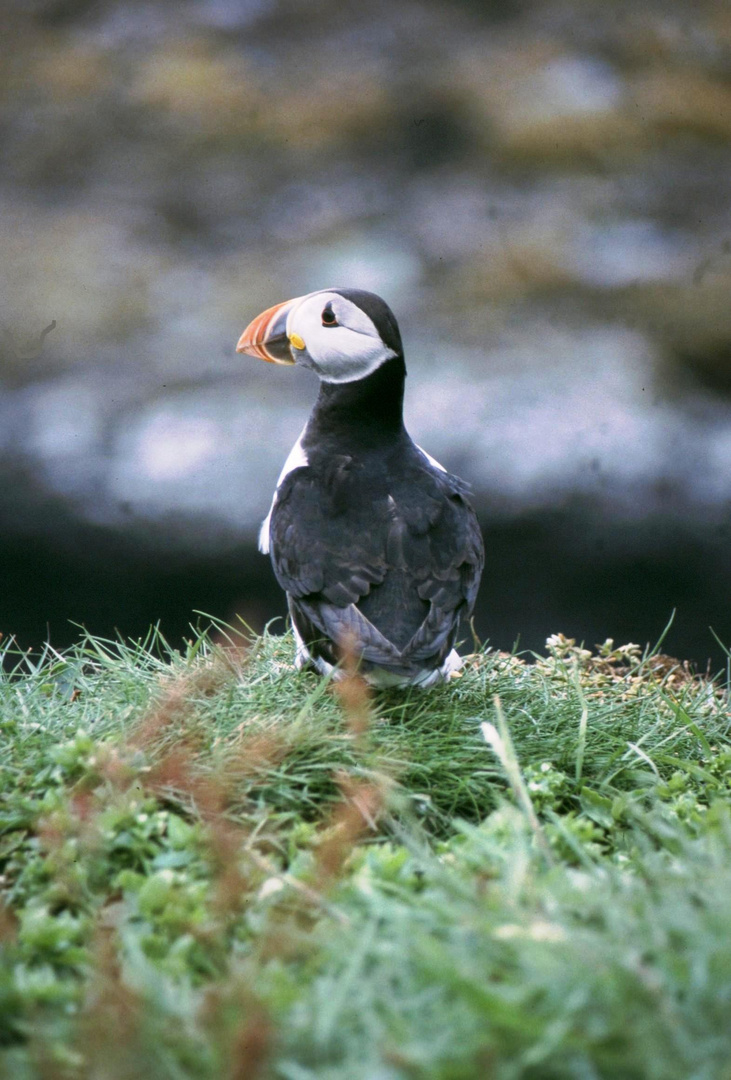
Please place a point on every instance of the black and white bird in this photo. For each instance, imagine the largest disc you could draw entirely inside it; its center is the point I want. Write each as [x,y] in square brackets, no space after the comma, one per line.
[375,544]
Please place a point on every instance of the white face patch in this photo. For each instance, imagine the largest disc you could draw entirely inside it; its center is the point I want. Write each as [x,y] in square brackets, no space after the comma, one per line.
[349,349]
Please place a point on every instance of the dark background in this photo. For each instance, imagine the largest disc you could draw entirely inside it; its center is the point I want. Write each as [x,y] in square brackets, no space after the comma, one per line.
[539,190]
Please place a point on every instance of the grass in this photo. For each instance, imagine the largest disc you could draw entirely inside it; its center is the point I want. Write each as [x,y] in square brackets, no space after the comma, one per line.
[213,866]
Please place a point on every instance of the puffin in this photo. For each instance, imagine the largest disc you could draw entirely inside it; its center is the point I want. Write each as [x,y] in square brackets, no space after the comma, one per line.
[375,544]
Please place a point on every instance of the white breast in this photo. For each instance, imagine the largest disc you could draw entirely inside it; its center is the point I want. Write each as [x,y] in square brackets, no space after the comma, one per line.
[295,460]
[430,459]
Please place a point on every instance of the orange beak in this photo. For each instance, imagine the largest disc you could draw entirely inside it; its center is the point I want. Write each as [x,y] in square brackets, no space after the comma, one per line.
[266,336]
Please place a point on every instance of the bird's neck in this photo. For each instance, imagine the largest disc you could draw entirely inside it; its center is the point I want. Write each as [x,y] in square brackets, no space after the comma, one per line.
[365,410]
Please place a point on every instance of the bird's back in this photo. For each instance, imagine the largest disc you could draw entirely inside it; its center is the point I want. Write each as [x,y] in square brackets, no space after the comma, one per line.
[383,549]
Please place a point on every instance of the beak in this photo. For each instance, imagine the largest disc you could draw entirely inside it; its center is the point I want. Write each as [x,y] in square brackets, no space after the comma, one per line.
[266,336]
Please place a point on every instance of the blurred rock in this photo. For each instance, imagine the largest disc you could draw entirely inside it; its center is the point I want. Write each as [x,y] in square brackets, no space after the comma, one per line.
[536,102]
[539,190]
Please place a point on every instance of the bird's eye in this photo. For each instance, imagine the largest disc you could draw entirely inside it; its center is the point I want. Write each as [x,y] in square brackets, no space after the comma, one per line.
[328,317]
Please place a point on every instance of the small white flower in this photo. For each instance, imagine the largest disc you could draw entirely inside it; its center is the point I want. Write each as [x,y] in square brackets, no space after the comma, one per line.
[270,887]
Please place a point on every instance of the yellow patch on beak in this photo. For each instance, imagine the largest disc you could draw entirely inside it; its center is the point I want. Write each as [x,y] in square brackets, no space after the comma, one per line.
[296,340]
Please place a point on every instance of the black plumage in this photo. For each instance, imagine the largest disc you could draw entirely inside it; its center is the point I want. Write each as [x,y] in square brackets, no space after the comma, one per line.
[377,548]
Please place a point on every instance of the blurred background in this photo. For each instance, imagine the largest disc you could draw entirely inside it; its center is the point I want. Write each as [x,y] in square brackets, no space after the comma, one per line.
[540,190]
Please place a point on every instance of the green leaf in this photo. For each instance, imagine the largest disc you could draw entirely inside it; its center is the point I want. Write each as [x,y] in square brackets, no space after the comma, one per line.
[597,807]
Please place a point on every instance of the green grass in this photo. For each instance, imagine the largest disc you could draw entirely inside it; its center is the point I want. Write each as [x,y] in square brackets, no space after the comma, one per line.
[214,866]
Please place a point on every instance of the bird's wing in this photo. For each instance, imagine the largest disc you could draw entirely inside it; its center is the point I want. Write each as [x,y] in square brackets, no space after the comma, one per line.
[336,540]
[445,555]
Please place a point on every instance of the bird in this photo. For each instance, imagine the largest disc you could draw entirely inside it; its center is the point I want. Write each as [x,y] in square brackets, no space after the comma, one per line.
[375,544]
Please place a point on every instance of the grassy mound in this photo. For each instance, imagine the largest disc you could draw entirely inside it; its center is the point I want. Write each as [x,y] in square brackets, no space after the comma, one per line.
[214,866]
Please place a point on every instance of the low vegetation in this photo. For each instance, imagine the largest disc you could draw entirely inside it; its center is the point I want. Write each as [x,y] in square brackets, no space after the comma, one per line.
[215,867]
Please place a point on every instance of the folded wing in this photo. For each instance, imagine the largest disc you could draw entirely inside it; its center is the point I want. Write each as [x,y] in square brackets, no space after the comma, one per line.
[388,566]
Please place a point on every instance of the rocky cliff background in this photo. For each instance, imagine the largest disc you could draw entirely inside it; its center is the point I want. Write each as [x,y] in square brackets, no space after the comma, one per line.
[541,191]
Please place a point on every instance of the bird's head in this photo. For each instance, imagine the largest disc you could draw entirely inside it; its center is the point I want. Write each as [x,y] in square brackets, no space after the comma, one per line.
[340,334]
